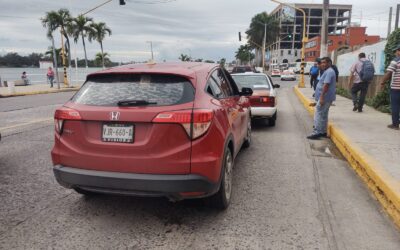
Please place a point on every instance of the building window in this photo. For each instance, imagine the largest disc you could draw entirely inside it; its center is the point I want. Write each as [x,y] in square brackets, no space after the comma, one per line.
[282,52]
[289,52]
[295,52]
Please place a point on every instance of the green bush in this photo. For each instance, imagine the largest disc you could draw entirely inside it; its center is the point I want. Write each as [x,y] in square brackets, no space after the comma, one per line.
[382,100]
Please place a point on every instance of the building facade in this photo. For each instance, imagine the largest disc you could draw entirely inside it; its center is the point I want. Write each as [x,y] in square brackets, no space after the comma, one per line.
[287,47]
[353,36]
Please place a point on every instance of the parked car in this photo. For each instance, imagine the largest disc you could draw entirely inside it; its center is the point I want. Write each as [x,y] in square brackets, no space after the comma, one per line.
[288,75]
[275,73]
[243,69]
[263,100]
[170,129]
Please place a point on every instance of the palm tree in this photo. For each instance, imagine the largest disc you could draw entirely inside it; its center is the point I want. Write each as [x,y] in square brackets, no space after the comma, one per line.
[98,32]
[185,58]
[256,31]
[244,54]
[102,58]
[50,53]
[80,27]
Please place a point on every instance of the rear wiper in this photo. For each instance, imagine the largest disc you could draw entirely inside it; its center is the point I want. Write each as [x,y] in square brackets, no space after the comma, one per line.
[135,103]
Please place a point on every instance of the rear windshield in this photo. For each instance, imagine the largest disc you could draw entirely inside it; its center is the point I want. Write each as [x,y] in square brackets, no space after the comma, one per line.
[242,69]
[252,81]
[159,90]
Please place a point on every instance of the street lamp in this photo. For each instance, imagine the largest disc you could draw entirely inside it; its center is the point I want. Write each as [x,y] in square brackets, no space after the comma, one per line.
[304,40]
[151,47]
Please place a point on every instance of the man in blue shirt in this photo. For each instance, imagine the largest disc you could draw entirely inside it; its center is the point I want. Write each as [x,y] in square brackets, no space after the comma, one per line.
[325,94]
[314,72]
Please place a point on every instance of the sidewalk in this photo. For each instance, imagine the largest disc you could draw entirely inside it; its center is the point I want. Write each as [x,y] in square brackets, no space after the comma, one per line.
[370,147]
[36,89]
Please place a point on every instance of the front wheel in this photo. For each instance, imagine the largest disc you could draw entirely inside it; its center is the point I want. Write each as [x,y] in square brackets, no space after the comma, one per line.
[247,141]
[222,198]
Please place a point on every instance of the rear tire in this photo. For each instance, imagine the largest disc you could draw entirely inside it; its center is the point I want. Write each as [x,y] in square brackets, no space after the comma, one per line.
[272,120]
[247,141]
[222,198]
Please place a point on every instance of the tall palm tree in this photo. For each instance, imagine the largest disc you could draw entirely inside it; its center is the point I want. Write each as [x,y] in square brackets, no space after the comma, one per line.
[80,27]
[50,53]
[98,32]
[255,33]
[102,57]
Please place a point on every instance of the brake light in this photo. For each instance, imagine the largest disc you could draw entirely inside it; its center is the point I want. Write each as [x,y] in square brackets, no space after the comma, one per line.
[195,122]
[62,115]
[269,101]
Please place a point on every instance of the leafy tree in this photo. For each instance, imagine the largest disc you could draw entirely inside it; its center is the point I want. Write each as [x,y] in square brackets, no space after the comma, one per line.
[185,58]
[98,32]
[102,59]
[198,60]
[382,100]
[80,27]
[244,54]
[209,61]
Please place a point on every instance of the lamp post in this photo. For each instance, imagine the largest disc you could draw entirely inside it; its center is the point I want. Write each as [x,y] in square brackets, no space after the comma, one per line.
[304,40]
[151,48]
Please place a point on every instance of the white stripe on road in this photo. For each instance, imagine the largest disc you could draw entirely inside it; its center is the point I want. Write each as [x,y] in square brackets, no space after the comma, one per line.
[26,123]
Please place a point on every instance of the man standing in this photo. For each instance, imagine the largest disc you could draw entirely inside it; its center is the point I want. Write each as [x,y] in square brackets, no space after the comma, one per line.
[325,94]
[393,71]
[314,72]
[361,73]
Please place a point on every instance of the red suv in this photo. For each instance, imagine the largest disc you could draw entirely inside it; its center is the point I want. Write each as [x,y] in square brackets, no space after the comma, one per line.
[171,129]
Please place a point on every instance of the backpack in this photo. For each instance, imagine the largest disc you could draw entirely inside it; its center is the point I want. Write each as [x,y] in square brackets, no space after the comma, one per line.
[367,71]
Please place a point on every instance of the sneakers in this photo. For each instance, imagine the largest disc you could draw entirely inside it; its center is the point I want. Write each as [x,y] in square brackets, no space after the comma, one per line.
[316,136]
[355,108]
[391,126]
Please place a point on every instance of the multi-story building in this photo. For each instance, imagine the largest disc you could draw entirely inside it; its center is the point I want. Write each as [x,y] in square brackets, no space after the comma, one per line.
[353,36]
[287,47]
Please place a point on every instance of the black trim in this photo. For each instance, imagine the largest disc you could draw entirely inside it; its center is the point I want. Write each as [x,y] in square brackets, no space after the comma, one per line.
[133,184]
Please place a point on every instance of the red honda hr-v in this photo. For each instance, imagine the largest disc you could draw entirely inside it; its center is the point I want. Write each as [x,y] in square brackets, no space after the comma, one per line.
[170,129]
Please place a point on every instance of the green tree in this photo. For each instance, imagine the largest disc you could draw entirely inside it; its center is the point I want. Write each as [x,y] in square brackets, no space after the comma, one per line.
[199,60]
[244,54]
[209,61]
[98,32]
[256,31]
[185,58]
[102,59]
[80,27]
[382,100]
[60,19]
[50,53]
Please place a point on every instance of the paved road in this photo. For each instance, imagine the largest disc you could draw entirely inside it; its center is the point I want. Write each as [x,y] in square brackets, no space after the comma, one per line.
[289,193]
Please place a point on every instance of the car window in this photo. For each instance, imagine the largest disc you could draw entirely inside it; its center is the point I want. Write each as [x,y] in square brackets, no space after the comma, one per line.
[214,89]
[108,90]
[222,82]
[252,81]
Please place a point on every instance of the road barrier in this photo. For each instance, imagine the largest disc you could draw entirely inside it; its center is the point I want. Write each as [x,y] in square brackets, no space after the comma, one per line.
[385,188]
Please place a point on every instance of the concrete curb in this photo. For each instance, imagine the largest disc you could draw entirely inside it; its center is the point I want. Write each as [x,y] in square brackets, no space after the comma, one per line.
[385,188]
[40,92]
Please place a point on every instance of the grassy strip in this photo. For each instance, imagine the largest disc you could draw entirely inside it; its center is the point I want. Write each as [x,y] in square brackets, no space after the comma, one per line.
[368,101]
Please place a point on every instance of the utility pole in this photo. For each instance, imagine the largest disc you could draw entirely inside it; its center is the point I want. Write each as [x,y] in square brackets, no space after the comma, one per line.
[396,23]
[390,22]
[263,52]
[324,29]
[151,48]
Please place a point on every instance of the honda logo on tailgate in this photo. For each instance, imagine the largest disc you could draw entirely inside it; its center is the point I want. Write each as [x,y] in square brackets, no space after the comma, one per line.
[114,116]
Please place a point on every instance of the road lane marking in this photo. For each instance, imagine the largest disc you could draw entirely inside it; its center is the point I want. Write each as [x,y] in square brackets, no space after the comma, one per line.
[26,123]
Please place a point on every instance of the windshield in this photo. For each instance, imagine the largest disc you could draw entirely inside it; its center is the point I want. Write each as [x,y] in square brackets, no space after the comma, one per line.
[154,90]
[252,81]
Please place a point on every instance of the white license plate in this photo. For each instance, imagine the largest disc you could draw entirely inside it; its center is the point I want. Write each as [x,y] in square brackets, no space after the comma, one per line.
[118,133]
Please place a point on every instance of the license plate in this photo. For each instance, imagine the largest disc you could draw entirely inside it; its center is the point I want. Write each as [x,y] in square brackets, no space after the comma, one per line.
[118,133]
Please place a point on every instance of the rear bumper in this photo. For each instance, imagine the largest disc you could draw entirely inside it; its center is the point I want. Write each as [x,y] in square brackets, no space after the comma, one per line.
[263,111]
[171,186]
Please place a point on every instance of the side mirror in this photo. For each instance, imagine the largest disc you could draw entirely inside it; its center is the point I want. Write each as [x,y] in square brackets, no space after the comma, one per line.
[246,92]
[276,86]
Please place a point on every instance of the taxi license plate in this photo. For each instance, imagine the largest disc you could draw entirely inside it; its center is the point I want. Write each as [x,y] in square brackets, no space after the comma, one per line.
[123,133]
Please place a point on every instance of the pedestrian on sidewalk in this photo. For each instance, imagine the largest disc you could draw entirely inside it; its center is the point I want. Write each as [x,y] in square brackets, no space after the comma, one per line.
[393,72]
[50,76]
[314,72]
[361,74]
[325,94]
[24,78]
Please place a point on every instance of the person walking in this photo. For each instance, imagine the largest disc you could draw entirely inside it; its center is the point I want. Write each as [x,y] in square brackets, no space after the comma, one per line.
[50,76]
[393,72]
[325,94]
[314,72]
[361,74]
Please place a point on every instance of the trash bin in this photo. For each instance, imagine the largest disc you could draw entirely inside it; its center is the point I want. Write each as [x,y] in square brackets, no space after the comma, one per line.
[11,87]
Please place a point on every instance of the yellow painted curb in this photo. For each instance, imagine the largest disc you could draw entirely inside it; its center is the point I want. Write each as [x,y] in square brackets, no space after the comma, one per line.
[385,188]
[41,92]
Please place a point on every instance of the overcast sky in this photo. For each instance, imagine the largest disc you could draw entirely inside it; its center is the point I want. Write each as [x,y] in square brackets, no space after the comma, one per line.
[201,28]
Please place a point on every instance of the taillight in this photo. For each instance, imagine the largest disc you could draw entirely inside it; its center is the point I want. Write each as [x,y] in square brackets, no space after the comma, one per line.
[269,101]
[195,122]
[62,115]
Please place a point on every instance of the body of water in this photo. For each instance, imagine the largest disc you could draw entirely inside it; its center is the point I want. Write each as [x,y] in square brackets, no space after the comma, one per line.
[37,75]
